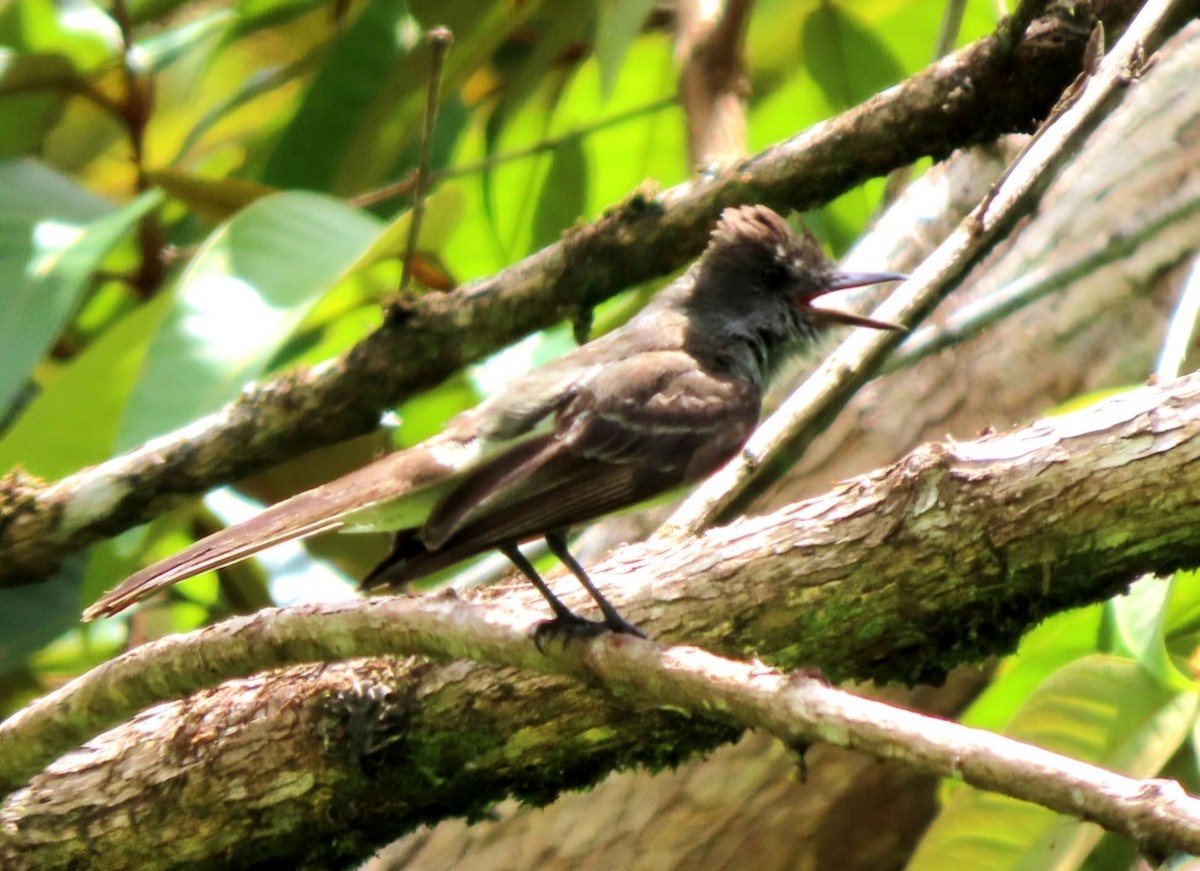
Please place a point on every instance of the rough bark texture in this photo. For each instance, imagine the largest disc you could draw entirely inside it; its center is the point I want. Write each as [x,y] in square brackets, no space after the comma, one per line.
[943,557]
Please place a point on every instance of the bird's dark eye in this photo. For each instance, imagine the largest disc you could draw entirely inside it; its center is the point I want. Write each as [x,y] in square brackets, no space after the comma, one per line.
[774,277]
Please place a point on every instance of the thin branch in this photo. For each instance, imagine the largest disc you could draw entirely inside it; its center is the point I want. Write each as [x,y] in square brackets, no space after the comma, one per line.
[406,184]
[439,40]
[712,80]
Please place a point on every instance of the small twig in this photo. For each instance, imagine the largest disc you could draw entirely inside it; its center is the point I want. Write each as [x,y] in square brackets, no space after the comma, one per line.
[439,40]
[135,108]
[862,354]
[1092,54]
[1181,327]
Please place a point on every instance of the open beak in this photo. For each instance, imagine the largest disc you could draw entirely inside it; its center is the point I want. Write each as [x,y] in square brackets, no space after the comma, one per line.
[844,281]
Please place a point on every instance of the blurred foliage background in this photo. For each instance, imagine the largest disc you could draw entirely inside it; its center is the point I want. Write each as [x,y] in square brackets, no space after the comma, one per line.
[196,194]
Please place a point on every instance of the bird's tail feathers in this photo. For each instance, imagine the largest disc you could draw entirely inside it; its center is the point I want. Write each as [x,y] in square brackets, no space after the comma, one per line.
[413,476]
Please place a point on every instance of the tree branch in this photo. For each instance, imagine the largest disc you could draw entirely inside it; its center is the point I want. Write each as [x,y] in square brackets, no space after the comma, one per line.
[1004,530]
[712,79]
[988,88]
[1157,815]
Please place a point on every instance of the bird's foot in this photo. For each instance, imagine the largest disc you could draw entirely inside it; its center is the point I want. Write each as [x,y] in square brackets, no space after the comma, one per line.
[570,627]
[617,623]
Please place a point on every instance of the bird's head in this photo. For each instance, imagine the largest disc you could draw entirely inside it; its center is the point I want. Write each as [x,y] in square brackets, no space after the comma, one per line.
[756,255]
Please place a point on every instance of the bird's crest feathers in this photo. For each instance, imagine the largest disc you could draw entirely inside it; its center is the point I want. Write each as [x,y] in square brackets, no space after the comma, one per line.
[743,230]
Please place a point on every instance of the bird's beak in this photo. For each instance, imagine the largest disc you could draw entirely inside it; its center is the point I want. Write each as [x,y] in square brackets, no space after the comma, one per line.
[844,281]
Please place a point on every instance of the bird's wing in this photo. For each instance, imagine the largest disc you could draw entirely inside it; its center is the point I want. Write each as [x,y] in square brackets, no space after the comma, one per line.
[635,428]
[418,476]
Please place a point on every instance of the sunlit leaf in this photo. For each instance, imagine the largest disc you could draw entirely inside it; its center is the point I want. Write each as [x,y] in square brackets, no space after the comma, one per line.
[51,438]
[1100,709]
[618,25]
[53,235]
[1139,618]
[239,299]
[1044,650]
[80,32]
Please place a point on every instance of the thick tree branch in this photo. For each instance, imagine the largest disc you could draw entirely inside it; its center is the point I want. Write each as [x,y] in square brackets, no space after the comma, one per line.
[1158,815]
[989,88]
[943,557]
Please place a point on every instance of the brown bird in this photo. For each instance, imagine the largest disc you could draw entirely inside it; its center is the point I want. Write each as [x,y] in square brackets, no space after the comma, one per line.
[658,403]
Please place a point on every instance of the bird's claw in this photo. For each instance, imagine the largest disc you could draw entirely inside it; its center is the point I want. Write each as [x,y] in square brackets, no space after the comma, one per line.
[571,627]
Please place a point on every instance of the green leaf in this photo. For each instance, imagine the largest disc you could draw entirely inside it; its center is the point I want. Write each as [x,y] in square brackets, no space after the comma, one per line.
[173,44]
[33,616]
[35,89]
[84,34]
[251,283]
[619,23]
[53,235]
[342,98]
[74,420]
[256,15]
[1101,709]
[1139,618]
[848,61]
[564,193]
[1183,611]
[1046,649]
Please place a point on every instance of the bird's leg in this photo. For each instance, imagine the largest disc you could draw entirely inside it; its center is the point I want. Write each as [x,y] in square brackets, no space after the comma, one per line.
[557,543]
[564,617]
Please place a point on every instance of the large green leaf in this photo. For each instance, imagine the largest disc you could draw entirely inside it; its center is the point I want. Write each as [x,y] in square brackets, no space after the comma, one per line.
[360,65]
[53,235]
[563,197]
[251,283]
[74,420]
[33,98]
[1048,647]
[1139,618]
[71,424]
[1100,709]
[619,23]
[848,61]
